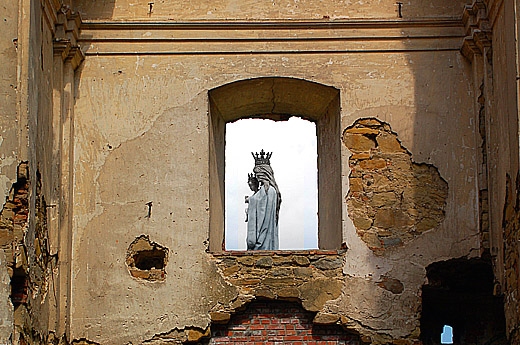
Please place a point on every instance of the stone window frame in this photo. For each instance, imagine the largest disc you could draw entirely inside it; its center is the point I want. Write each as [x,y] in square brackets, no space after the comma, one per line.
[279,98]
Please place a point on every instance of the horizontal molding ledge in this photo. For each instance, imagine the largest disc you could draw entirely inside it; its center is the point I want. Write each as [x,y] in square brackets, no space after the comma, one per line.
[189,38]
[268,25]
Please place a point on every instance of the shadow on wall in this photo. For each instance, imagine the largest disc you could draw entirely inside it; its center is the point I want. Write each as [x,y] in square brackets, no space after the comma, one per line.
[98,9]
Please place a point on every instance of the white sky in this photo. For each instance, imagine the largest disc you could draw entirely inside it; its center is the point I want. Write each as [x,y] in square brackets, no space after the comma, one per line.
[294,162]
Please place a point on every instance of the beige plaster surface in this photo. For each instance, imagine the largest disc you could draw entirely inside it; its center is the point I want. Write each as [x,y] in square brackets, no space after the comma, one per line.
[261,10]
[140,157]
[142,135]
[9,144]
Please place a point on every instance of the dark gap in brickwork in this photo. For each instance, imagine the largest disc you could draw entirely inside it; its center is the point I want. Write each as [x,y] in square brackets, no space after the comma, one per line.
[19,287]
[459,293]
[270,323]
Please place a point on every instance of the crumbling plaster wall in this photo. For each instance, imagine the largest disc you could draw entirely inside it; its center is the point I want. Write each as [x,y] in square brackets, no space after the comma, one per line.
[28,168]
[503,156]
[141,136]
[9,142]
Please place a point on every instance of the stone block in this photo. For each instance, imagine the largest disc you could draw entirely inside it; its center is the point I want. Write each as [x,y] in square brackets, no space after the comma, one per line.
[356,185]
[195,335]
[300,260]
[358,142]
[373,164]
[326,319]
[303,272]
[362,223]
[383,199]
[264,292]
[328,263]
[288,293]
[219,317]
[228,271]
[360,156]
[316,293]
[390,218]
[389,144]
[247,260]
[265,262]
[362,130]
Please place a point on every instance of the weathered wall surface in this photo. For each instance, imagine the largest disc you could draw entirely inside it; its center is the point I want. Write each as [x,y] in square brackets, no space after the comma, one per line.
[503,158]
[267,10]
[9,143]
[28,173]
[141,159]
[111,211]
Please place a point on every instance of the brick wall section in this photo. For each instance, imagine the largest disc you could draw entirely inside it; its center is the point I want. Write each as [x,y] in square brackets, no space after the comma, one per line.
[14,216]
[270,323]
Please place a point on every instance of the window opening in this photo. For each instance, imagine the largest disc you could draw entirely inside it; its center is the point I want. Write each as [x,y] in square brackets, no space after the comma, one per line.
[278,98]
[447,335]
[294,161]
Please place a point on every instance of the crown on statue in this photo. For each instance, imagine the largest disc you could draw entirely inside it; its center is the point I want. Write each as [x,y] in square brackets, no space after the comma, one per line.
[262,157]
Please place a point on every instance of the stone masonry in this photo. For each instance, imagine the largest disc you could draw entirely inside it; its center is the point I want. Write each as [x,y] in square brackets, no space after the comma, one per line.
[391,199]
[311,278]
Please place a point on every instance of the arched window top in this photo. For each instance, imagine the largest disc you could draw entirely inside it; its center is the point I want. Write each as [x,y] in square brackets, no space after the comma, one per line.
[272,97]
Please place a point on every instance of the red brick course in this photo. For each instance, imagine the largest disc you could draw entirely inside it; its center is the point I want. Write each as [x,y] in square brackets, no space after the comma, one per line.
[278,323]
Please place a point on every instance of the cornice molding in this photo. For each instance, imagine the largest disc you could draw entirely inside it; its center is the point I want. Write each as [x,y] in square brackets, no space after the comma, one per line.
[50,10]
[75,57]
[67,32]
[269,37]
[478,30]
[61,47]
[266,25]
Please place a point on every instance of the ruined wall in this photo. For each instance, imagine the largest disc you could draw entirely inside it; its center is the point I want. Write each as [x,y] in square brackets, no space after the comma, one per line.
[104,166]
[9,145]
[141,160]
[497,46]
[30,180]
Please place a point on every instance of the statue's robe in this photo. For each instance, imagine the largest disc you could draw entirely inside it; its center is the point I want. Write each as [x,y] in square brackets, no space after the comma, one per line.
[262,227]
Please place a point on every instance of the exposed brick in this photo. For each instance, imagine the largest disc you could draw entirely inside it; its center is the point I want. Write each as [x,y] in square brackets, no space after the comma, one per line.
[294,327]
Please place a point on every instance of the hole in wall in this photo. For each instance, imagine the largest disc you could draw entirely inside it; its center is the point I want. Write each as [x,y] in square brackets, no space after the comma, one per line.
[146,259]
[149,259]
[19,287]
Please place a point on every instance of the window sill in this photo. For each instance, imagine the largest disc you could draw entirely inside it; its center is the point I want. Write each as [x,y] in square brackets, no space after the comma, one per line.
[280,252]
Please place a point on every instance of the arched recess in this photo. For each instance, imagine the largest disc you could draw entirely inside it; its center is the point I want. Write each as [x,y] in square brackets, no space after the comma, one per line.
[279,98]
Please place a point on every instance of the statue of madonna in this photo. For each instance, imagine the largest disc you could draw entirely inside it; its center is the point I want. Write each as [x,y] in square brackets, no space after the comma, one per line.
[264,205]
